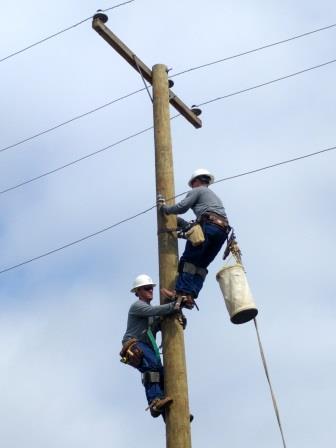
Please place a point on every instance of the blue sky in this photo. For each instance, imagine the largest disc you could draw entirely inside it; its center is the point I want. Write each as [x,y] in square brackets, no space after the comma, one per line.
[62,317]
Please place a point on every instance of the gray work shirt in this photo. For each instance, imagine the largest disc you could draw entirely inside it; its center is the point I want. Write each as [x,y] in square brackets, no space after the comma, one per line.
[141,315]
[200,200]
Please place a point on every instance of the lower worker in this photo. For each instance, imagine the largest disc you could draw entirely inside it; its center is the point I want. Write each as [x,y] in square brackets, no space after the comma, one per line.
[212,222]
[139,346]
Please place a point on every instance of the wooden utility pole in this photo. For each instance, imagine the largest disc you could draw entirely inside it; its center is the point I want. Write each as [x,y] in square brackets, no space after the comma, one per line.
[177,417]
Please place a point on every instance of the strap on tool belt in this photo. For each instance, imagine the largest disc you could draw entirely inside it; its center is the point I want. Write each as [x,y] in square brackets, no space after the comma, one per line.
[214,218]
[190,268]
[150,377]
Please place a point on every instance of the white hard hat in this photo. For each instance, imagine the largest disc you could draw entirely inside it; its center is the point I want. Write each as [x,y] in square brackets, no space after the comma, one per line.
[142,280]
[201,172]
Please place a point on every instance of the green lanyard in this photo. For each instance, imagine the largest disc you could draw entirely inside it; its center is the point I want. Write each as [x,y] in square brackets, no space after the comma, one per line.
[154,344]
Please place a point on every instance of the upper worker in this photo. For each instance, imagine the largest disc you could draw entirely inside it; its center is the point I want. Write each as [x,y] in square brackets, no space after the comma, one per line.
[211,215]
[139,346]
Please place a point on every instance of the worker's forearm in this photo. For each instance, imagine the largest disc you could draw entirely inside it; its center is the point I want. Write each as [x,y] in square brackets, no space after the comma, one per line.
[146,310]
[182,206]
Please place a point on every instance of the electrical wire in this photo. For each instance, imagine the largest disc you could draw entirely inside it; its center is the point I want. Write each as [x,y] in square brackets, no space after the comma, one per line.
[60,32]
[77,241]
[254,50]
[180,73]
[30,260]
[184,71]
[147,129]
[71,120]
[266,83]
[273,165]
[73,162]
[21,184]
[264,168]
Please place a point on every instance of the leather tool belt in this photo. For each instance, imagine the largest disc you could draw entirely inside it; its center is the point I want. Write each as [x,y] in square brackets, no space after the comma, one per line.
[214,218]
[131,354]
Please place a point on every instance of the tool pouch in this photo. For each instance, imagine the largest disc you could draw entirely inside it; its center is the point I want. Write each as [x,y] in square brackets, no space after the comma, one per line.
[195,235]
[131,353]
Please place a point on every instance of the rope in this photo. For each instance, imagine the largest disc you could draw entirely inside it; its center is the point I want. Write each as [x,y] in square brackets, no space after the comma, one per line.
[269,383]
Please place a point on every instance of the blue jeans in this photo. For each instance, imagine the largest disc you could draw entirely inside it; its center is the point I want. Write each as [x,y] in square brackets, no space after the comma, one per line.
[200,256]
[150,362]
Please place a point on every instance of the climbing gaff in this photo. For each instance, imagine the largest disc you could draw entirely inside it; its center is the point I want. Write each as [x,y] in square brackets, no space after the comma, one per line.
[237,294]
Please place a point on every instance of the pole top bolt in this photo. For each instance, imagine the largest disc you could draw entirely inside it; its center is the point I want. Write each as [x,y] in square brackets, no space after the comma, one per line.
[101,16]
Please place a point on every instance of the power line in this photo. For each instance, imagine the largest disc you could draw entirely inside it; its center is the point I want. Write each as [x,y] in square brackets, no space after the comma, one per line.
[60,32]
[30,260]
[177,74]
[74,161]
[70,120]
[254,50]
[267,167]
[147,129]
[76,242]
[267,83]
[273,165]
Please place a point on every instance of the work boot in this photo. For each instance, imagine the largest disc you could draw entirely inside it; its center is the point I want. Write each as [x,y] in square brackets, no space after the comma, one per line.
[158,405]
[155,414]
[187,301]
[182,299]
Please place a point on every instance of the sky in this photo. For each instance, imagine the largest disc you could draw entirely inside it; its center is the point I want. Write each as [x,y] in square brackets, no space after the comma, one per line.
[62,317]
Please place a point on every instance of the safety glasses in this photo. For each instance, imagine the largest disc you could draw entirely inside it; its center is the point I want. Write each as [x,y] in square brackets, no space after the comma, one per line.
[147,288]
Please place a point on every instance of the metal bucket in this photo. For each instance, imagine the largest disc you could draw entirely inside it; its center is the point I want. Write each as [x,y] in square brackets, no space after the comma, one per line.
[237,294]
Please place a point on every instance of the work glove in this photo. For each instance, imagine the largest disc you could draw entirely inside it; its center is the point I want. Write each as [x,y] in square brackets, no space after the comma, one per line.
[160,200]
[161,203]
[183,224]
